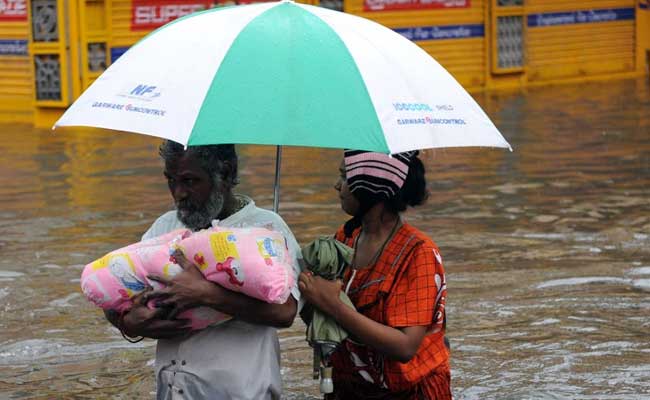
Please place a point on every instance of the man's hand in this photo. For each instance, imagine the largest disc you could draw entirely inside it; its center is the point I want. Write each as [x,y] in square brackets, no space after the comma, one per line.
[187,289]
[190,289]
[140,320]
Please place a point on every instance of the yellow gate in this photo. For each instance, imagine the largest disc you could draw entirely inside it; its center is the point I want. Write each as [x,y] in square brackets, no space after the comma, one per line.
[54,51]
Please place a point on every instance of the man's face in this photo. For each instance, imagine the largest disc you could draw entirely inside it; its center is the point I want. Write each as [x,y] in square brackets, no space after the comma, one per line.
[198,199]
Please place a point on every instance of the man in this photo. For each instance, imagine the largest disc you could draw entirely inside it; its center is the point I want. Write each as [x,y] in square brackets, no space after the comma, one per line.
[238,359]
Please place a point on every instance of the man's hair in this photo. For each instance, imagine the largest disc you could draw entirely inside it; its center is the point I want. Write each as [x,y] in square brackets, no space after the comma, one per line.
[210,157]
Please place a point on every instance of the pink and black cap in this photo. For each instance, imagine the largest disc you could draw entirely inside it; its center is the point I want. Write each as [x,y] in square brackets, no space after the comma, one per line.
[376,175]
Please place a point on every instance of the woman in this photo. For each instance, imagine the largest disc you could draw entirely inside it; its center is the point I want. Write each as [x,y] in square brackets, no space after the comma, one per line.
[396,282]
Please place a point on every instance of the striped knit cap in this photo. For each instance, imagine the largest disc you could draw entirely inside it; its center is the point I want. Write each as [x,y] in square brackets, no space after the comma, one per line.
[377,175]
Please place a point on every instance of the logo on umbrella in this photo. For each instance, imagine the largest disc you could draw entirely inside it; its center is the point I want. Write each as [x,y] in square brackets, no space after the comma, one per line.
[142,92]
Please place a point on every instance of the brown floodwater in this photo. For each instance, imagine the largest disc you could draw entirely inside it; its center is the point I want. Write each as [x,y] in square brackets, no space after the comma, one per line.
[547,249]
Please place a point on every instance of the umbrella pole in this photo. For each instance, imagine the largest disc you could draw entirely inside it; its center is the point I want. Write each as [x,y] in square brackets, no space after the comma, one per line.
[276,185]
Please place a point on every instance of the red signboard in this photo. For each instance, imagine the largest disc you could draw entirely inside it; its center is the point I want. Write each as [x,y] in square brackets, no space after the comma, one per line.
[221,3]
[13,10]
[151,14]
[392,5]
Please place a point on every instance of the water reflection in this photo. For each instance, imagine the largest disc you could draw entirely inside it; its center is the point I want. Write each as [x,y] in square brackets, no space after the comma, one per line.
[547,249]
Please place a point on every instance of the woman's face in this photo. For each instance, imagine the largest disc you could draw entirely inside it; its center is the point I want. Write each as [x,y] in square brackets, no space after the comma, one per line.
[349,203]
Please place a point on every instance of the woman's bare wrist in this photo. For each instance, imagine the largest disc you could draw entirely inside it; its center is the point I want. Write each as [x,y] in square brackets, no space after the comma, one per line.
[336,308]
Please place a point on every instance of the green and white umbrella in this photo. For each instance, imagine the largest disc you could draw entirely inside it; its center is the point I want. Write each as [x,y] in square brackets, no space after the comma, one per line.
[284,74]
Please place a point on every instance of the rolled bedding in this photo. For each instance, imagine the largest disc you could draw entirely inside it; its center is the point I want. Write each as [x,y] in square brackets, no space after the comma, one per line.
[253,261]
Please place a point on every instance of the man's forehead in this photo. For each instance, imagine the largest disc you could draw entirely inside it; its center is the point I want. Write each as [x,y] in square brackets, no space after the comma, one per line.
[186,165]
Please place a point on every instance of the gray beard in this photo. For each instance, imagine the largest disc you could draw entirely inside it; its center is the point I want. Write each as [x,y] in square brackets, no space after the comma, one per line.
[200,217]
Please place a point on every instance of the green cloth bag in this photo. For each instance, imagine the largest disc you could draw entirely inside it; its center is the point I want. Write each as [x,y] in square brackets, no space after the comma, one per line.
[328,258]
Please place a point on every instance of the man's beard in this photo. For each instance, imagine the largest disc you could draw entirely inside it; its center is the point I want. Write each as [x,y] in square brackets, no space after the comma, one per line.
[197,217]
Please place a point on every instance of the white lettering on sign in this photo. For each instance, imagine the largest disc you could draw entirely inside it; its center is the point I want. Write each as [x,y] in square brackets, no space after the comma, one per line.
[378,5]
[13,9]
[157,15]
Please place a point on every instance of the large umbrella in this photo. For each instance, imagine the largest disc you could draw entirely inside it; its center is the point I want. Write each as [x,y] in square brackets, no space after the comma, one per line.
[284,74]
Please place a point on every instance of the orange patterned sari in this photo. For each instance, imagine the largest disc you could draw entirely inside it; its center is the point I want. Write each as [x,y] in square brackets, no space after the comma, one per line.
[405,287]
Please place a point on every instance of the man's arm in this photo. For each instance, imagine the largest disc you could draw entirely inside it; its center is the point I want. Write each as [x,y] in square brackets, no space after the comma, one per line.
[251,310]
[190,289]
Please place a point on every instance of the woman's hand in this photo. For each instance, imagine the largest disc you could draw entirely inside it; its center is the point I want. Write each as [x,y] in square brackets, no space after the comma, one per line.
[322,293]
[187,289]
[400,344]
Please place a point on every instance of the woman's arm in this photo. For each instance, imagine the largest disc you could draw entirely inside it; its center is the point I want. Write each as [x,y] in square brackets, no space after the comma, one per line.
[399,344]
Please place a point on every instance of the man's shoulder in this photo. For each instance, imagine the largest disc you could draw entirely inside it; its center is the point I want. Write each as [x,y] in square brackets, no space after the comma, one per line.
[268,219]
[254,215]
[165,223]
[263,212]
[261,217]
[168,216]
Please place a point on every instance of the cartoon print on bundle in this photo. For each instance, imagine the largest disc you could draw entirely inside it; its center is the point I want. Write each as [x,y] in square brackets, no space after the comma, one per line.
[234,271]
[269,248]
[122,268]
[230,258]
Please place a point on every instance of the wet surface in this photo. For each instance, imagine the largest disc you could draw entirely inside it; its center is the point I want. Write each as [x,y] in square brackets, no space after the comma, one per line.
[547,249]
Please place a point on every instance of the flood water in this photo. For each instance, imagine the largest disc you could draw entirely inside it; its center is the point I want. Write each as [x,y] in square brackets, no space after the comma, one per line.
[547,249]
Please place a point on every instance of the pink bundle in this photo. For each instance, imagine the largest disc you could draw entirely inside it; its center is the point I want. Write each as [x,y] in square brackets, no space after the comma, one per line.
[253,261]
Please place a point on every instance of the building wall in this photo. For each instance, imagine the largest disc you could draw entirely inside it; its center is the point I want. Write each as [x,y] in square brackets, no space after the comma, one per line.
[498,43]
[454,36]
[580,38]
[643,35]
[483,43]
[16,91]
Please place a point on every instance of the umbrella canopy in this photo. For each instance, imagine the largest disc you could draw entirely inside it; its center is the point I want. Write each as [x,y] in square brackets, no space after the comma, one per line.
[284,74]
